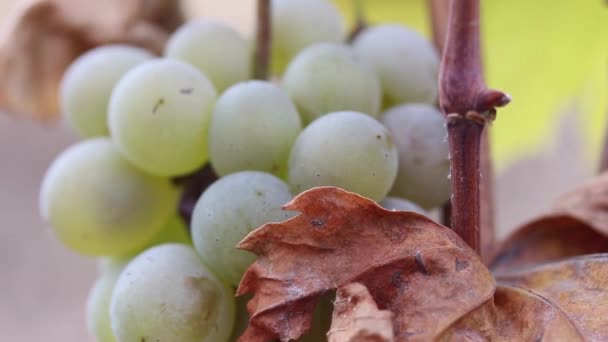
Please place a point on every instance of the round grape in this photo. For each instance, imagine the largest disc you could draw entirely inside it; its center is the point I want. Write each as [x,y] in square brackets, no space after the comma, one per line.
[159,116]
[98,303]
[167,294]
[406,63]
[420,136]
[297,24]
[87,84]
[99,204]
[253,127]
[329,77]
[228,210]
[215,49]
[349,150]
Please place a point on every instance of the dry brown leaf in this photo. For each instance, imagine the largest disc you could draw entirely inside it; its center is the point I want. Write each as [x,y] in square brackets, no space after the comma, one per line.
[576,225]
[341,238]
[42,37]
[570,299]
[357,318]
[420,272]
[588,203]
[560,301]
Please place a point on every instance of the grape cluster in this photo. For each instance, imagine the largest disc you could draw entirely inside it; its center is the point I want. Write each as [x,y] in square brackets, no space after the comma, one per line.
[358,116]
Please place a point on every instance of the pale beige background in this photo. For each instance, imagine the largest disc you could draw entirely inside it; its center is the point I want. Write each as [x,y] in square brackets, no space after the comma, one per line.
[43,286]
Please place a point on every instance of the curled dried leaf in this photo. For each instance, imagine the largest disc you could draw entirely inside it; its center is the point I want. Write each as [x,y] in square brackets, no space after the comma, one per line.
[560,301]
[356,317]
[570,298]
[588,203]
[419,270]
[576,225]
[42,37]
[545,239]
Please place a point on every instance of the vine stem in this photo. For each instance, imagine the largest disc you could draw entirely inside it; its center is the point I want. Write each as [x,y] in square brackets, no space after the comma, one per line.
[487,207]
[263,40]
[468,106]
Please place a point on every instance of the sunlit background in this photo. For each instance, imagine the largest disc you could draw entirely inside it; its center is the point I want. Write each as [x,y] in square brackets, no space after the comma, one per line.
[551,56]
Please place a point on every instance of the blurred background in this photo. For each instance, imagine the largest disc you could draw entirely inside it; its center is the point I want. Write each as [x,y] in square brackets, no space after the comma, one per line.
[551,56]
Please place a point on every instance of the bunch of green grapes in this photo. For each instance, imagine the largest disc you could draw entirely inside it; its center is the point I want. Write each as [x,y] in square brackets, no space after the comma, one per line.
[358,116]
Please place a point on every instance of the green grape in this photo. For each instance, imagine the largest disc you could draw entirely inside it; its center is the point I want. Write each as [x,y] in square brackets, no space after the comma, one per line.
[99,204]
[215,49]
[98,302]
[349,150]
[175,230]
[406,63]
[329,77]
[227,211]
[297,24]
[401,204]
[159,116]
[420,136]
[88,82]
[253,127]
[167,294]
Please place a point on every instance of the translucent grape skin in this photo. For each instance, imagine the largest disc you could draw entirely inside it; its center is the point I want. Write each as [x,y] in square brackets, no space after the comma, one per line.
[99,204]
[253,127]
[88,82]
[174,230]
[329,77]
[215,49]
[159,116]
[346,149]
[420,136]
[167,294]
[297,24]
[407,64]
[227,211]
[401,204]
[98,303]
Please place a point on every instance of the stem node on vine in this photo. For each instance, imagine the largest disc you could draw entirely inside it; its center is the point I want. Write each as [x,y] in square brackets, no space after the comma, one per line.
[468,106]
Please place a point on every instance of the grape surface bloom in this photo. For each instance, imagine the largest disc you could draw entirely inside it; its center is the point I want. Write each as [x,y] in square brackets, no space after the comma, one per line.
[329,77]
[346,149]
[87,84]
[159,116]
[407,64]
[297,24]
[98,304]
[253,127]
[99,204]
[228,210]
[420,136]
[216,49]
[167,294]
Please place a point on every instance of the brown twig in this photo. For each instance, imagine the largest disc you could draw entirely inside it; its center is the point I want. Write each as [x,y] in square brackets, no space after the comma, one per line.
[263,41]
[360,21]
[468,105]
[487,208]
